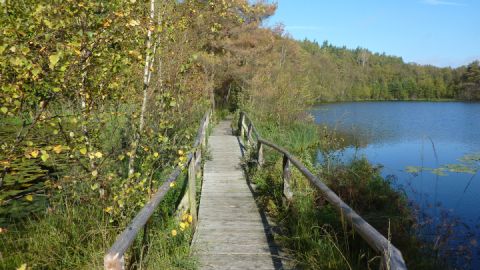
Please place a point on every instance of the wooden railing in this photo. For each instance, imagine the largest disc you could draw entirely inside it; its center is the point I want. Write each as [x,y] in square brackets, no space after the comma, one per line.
[391,257]
[115,257]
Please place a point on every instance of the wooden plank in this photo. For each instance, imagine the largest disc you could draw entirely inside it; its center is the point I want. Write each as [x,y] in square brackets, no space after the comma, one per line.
[231,233]
[237,261]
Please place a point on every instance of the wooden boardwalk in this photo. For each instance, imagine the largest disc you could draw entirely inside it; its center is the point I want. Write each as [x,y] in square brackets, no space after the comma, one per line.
[232,233]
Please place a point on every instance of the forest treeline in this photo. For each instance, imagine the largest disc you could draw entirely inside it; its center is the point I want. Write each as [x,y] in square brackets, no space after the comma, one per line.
[102,99]
[359,74]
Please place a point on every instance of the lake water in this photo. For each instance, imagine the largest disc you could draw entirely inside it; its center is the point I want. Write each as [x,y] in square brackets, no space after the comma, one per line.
[397,135]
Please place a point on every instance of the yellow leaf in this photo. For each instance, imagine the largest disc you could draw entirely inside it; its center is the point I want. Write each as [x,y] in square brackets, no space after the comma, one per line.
[180,152]
[22,267]
[29,198]
[95,173]
[109,209]
[190,218]
[53,60]
[155,154]
[4,110]
[172,184]
[34,153]
[98,155]
[57,149]
[183,226]
[83,151]
[174,232]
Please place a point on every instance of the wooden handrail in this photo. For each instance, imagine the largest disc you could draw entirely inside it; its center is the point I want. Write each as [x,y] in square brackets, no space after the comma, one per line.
[114,258]
[392,258]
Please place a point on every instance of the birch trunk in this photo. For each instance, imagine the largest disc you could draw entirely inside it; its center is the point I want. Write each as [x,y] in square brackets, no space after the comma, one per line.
[146,79]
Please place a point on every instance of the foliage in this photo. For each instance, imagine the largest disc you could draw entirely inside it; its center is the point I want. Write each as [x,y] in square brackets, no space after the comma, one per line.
[344,74]
[87,86]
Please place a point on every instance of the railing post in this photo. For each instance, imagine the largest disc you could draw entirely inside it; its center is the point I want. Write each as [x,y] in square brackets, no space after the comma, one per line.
[249,133]
[198,162]
[286,175]
[204,131]
[241,120]
[114,262]
[260,159]
[192,189]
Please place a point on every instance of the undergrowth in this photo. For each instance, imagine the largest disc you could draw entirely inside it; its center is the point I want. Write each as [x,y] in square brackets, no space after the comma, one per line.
[76,233]
[311,230]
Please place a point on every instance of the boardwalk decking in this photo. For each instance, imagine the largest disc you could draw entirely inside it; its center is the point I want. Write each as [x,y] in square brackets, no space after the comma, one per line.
[232,233]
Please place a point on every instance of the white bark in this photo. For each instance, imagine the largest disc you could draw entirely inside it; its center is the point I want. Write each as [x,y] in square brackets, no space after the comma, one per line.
[146,81]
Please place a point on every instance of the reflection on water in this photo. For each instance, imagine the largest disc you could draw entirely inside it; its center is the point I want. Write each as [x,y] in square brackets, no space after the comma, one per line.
[23,177]
[426,134]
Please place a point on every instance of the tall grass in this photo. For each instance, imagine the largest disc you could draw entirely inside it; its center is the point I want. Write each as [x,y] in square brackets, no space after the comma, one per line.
[312,231]
[77,234]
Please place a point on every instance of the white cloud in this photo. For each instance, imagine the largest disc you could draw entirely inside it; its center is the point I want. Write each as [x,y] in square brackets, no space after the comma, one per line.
[443,3]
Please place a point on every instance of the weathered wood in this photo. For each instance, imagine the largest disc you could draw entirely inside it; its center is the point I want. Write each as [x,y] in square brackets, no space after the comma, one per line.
[192,190]
[392,258]
[249,134]
[114,258]
[205,130]
[229,220]
[286,175]
[241,121]
[376,240]
[198,162]
[260,158]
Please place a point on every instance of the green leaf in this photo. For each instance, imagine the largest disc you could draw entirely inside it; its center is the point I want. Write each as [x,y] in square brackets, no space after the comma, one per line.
[36,71]
[413,169]
[45,156]
[48,23]
[4,109]
[54,58]
[16,61]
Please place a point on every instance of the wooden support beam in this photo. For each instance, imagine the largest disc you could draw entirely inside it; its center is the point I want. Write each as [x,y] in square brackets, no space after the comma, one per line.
[286,175]
[241,123]
[260,159]
[192,189]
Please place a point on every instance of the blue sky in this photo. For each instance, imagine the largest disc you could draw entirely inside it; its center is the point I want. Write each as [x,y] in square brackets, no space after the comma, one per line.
[436,32]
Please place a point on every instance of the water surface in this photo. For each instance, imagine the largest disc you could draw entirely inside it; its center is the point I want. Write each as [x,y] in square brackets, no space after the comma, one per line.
[429,135]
